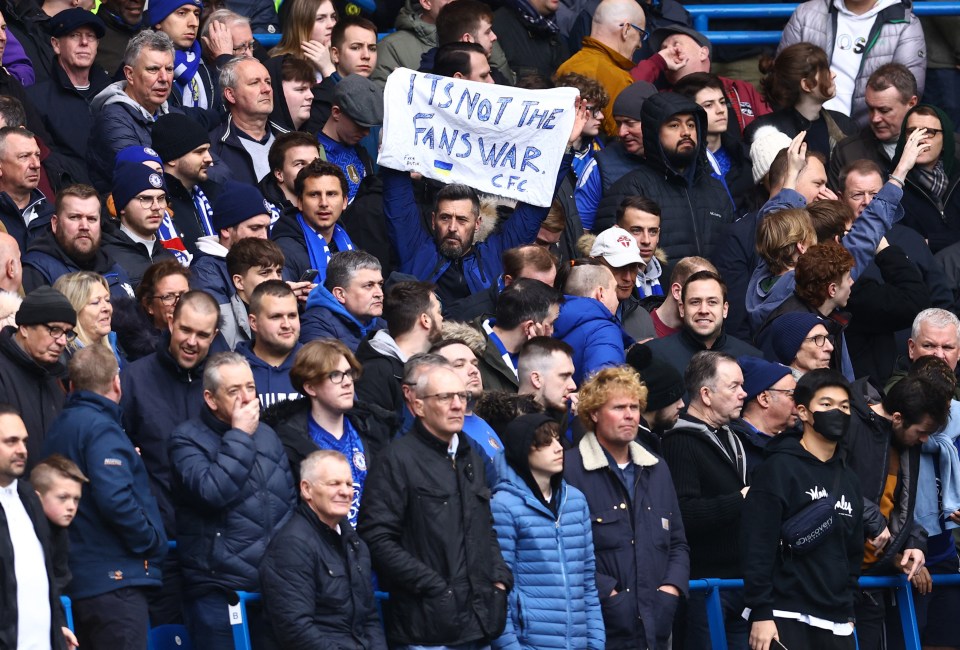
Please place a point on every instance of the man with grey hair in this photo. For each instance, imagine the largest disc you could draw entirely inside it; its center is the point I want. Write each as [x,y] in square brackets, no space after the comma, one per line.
[935,332]
[243,142]
[304,607]
[588,321]
[709,470]
[441,563]
[349,304]
[24,210]
[224,21]
[124,112]
[234,489]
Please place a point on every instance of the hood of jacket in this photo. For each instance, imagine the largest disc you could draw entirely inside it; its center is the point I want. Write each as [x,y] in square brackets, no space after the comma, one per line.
[321,297]
[384,344]
[245,348]
[658,109]
[288,226]
[114,94]
[408,20]
[578,312]
[280,117]
[210,245]
[947,155]
[510,480]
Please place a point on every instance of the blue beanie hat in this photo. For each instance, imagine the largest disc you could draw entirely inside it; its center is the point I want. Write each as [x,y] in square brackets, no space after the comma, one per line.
[157,10]
[135,154]
[236,203]
[759,375]
[129,179]
[788,331]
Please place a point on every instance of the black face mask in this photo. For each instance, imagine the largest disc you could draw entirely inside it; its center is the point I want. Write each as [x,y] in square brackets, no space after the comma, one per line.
[832,424]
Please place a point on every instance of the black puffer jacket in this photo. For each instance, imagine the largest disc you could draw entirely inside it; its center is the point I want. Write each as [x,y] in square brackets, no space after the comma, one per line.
[34,390]
[695,205]
[317,587]
[428,523]
[233,492]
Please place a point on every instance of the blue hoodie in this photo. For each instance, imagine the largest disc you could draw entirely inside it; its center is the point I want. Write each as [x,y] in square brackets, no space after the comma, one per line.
[594,334]
[327,318]
[273,382]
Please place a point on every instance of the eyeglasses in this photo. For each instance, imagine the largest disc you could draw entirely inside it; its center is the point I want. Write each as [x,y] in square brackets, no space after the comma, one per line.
[931,132]
[786,391]
[644,34]
[56,332]
[594,110]
[170,298]
[244,47]
[820,339]
[146,202]
[337,376]
[446,398]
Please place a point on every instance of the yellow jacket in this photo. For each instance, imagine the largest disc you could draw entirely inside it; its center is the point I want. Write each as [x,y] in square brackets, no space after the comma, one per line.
[606,65]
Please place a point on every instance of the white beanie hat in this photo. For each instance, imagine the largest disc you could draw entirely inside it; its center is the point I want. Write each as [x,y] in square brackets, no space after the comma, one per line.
[767,143]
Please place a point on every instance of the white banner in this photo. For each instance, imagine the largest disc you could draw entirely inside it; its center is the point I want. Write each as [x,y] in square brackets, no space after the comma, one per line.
[496,139]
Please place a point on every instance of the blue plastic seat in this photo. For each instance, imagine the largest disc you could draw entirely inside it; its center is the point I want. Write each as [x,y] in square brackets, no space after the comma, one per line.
[169,637]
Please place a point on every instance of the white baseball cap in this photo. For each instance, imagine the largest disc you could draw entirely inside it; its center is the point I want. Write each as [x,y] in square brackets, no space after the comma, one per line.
[617,247]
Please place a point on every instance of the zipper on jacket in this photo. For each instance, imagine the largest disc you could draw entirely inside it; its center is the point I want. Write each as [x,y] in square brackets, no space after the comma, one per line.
[693,220]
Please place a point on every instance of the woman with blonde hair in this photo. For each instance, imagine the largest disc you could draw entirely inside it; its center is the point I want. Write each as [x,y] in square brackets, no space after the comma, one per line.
[306,34]
[89,294]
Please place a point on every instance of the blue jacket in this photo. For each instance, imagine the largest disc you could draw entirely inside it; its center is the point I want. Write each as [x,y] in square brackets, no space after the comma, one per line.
[327,318]
[639,541]
[234,491]
[117,539]
[210,274]
[45,261]
[273,382]
[12,218]
[554,601]
[417,249]
[593,332]
[157,396]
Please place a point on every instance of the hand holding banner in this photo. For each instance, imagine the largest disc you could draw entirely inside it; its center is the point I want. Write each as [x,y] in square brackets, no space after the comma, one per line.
[497,139]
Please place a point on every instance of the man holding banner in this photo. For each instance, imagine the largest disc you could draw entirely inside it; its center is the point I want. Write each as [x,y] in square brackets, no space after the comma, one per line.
[502,141]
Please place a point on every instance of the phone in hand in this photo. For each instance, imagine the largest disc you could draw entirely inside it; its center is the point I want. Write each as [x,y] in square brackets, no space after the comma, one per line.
[309,275]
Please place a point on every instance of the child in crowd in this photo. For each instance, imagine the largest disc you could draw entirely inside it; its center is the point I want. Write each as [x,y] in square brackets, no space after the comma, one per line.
[59,484]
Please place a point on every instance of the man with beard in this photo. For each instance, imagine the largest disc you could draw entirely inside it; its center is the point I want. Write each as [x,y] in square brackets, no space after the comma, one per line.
[525,309]
[414,322]
[122,19]
[545,367]
[311,236]
[140,197]
[664,396]
[707,463]
[73,245]
[449,257]
[703,307]
[675,175]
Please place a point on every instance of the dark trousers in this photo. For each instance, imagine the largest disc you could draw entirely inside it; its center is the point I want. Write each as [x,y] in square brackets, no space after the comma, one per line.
[698,629]
[117,620]
[166,603]
[208,621]
[871,614]
[795,635]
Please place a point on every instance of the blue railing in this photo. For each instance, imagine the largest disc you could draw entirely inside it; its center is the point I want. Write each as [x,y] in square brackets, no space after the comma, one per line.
[703,14]
[900,586]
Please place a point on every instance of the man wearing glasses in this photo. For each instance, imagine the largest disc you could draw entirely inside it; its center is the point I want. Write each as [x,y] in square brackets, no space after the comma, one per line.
[426,518]
[140,198]
[30,363]
[768,408]
[616,34]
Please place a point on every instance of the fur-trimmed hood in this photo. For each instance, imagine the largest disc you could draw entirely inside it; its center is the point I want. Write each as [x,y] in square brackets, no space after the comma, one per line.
[594,458]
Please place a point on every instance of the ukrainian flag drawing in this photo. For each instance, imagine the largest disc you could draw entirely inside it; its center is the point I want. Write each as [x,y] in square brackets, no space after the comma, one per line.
[442,168]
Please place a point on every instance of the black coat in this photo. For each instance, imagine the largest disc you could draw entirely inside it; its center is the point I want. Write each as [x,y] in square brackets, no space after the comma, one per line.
[34,390]
[133,256]
[428,523]
[694,204]
[677,349]
[380,385]
[288,235]
[528,50]
[185,218]
[317,587]
[8,579]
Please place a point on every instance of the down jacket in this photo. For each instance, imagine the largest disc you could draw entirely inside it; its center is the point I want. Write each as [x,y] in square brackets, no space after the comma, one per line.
[554,600]
[594,334]
[896,37]
[639,541]
[695,205]
[233,491]
[318,588]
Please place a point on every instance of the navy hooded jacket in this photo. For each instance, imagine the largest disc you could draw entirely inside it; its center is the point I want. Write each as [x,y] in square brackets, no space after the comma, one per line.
[327,318]
[273,382]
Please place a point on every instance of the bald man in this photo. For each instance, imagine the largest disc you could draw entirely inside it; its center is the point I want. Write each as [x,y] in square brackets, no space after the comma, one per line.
[616,34]
[11,273]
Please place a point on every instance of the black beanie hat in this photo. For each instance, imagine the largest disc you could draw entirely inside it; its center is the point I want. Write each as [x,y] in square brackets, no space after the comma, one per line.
[46,305]
[664,382]
[175,134]
[517,445]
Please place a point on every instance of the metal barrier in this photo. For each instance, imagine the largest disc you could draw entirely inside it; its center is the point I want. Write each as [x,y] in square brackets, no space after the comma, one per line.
[902,590]
[702,14]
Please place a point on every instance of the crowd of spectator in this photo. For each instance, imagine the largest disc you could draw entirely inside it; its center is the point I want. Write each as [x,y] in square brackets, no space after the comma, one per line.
[238,355]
